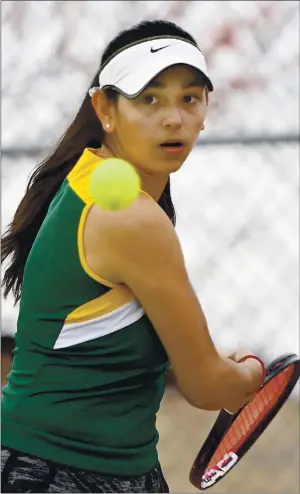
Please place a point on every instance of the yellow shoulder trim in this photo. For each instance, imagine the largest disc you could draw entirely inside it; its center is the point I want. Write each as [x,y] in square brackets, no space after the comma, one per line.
[79,176]
[82,258]
[79,180]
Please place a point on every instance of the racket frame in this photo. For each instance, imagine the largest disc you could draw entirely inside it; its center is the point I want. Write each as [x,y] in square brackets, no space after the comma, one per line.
[225,420]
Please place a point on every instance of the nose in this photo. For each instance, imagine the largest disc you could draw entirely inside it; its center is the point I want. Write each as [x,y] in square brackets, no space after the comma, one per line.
[172,118]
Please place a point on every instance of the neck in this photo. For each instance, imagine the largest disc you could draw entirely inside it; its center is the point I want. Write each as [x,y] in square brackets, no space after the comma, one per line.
[151,183]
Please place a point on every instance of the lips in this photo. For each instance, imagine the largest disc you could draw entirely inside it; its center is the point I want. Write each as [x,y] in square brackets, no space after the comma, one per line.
[172,146]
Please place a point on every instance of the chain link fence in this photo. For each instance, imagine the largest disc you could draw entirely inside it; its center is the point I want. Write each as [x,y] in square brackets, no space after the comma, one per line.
[237,195]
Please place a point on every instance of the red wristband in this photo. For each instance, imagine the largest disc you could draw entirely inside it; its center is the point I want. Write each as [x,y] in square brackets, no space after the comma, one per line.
[246,357]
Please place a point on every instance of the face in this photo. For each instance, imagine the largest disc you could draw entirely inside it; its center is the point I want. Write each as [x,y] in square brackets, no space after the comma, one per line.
[170,110]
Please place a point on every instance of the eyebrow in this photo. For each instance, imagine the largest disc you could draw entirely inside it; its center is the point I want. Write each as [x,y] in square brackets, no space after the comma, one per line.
[157,84]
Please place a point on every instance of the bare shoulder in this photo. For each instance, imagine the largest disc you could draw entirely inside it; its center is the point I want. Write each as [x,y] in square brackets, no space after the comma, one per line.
[144,216]
[133,236]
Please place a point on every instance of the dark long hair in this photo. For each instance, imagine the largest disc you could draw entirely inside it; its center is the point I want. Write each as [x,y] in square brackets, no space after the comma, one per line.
[85,131]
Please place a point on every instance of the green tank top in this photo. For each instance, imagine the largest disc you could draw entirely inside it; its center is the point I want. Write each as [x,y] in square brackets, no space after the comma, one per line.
[88,372]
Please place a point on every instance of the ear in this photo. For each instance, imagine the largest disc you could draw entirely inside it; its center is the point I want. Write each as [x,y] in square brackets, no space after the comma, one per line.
[102,107]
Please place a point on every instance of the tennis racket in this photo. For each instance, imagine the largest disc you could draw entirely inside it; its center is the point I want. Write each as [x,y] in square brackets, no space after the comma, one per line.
[233,435]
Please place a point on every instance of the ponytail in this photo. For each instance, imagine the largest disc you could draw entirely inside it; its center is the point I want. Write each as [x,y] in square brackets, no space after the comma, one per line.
[85,131]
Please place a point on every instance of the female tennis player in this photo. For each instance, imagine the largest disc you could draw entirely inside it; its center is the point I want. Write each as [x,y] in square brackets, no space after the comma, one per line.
[106,304]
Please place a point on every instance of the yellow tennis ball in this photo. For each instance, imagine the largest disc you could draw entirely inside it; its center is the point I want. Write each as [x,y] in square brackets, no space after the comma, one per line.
[114,184]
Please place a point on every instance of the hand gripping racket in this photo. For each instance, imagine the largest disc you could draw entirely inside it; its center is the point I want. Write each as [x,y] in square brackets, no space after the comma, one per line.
[233,435]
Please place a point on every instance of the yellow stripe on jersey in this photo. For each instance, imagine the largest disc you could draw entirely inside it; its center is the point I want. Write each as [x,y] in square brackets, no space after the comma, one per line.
[82,258]
[79,181]
[100,317]
[79,176]
[101,306]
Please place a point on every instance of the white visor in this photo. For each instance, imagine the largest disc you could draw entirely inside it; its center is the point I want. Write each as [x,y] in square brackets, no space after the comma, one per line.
[134,67]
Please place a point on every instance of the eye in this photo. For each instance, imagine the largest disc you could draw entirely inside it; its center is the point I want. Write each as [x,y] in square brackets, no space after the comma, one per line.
[190,99]
[150,99]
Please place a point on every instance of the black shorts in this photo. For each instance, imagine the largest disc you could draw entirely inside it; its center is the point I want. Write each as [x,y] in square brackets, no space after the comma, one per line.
[25,473]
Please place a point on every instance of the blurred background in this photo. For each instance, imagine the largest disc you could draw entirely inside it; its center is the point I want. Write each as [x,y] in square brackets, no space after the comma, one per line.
[236,196]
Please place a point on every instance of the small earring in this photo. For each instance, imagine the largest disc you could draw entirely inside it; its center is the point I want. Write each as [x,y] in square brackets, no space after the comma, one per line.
[107,126]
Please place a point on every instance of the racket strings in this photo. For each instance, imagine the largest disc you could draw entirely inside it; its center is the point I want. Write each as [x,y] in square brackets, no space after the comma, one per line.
[250,417]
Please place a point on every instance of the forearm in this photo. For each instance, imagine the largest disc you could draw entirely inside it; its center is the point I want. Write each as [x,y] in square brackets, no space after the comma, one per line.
[170,375]
[228,385]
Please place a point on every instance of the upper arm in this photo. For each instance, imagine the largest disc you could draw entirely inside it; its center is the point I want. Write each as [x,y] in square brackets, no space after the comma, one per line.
[140,248]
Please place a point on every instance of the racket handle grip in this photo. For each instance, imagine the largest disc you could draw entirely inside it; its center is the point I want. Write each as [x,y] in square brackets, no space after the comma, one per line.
[255,357]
